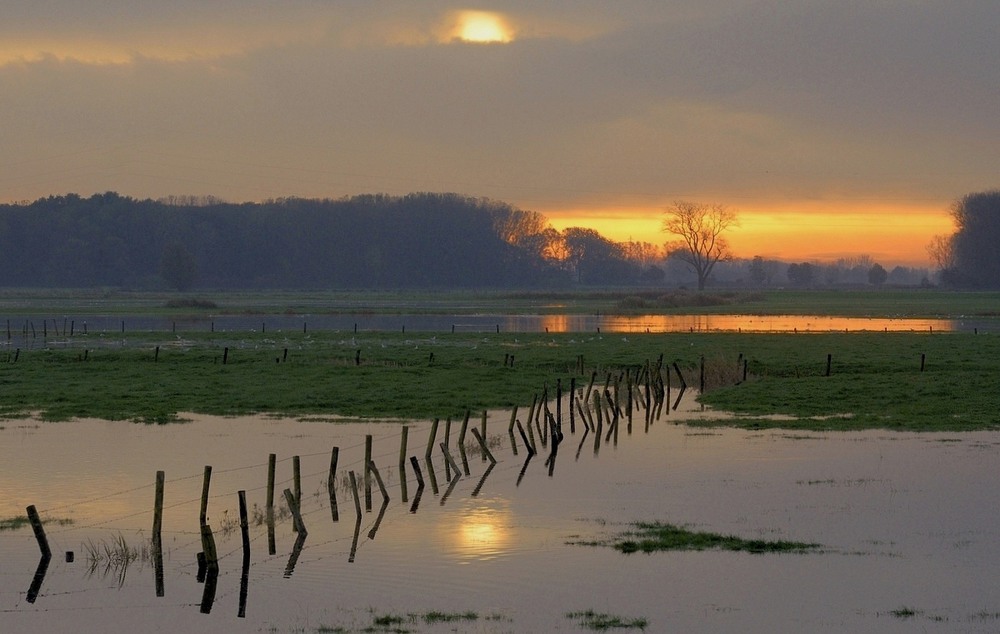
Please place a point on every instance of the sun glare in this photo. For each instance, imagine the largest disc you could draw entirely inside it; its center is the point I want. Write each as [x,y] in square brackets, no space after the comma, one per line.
[482,27]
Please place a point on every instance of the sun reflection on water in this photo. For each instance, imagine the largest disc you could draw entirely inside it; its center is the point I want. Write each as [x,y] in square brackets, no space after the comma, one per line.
[483,532]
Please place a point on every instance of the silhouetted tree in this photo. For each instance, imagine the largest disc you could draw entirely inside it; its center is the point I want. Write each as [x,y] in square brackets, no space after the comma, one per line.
[974,245]
[941,250]
[700,228]
[877,275]
[597,260]
[801,274]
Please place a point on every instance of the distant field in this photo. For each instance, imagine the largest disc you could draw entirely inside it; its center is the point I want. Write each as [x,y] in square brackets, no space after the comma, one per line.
[867,303]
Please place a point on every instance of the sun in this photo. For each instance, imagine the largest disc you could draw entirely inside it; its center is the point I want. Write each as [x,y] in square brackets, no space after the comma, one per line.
[482,27]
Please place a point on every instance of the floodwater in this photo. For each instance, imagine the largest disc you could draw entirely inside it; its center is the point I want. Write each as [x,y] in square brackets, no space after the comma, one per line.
[36,326]
[908,523]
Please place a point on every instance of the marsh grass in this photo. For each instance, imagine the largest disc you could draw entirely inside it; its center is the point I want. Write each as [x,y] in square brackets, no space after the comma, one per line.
[600,622]
[649,537]
[114,556]
[258,515]
[391,623]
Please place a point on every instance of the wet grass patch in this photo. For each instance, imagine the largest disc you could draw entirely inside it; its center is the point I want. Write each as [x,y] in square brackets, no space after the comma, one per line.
[391,623]
[21,521]
[650,537]
[601,622]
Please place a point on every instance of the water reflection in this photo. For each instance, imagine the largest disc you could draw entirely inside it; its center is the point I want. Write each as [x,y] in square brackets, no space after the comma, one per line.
[555,323]
[890,522]
[293,557]
[483,532]
[38,578]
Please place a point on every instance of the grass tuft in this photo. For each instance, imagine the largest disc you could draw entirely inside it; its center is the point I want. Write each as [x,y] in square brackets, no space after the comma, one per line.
[600,622]
[649,537]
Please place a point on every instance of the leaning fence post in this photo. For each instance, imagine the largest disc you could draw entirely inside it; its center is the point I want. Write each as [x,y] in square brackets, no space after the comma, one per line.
[354,490]
[378,480]
[482,444]
[430,441]
[208,546]
[417,472]
[402,447]
[465,425]
[450,459]
[36,525]
[331,483]
[293,506]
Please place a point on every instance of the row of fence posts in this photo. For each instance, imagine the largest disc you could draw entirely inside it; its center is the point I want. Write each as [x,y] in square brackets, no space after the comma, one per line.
[29,325]
[645,388]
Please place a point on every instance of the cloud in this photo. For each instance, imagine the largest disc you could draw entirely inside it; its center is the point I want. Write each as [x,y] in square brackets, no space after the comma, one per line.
[591,104]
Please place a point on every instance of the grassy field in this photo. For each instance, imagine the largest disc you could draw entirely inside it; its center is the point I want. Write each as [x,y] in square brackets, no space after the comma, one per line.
[862,302]
[911,381]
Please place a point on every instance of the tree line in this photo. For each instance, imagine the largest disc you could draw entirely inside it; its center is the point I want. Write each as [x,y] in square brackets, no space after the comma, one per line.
[423,240]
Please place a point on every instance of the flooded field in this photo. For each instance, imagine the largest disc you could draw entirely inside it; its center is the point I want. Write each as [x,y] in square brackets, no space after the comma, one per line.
[31,327]
[908,525]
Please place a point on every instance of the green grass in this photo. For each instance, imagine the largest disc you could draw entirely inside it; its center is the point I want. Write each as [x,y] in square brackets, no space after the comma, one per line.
[854,302]
[875,380]
[650,537]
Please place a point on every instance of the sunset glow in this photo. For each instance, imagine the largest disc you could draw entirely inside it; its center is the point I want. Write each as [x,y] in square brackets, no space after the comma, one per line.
[483,27]
[792,233]
[827,139]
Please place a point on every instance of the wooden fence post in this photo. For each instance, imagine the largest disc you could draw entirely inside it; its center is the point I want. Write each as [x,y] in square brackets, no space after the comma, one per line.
[271,460]
[296,483]
[430,441]
[203,514]
[36,526]
[331,483]
[293,506]
[354,490]
[367,476]
[158,508]
[482,444]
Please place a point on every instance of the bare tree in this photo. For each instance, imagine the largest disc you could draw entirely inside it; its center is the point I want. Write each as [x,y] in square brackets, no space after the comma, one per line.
[941,250]
[699,227]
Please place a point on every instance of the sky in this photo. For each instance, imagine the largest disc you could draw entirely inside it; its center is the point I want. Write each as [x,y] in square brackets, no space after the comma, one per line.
[832,127]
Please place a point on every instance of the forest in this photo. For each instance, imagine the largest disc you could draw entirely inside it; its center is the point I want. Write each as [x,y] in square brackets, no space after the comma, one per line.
[420,240]
[416,241]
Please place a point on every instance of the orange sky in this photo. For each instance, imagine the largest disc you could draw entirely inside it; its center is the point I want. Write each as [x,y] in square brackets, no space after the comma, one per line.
[803,232]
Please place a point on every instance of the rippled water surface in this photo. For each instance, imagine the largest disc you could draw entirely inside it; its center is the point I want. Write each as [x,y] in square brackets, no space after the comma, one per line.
[908,522]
